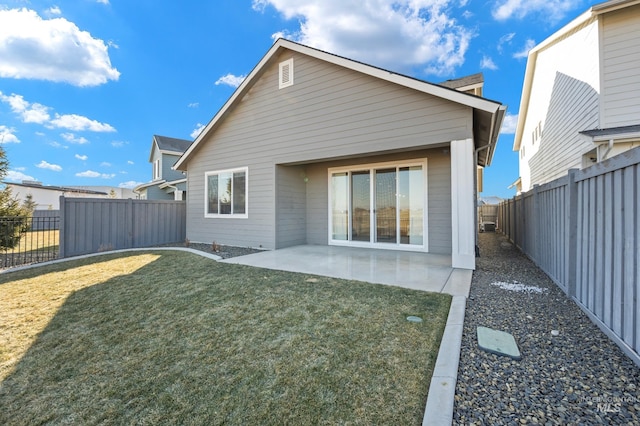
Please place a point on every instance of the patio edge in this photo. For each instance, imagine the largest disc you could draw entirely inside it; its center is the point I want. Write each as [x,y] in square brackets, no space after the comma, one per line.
[440,400]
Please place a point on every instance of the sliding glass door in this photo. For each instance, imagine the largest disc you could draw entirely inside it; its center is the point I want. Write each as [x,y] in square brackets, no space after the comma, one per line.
[378,205]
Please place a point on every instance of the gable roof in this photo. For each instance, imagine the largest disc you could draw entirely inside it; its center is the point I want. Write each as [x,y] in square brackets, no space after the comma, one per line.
[167,145]
[584,19]
[487,115]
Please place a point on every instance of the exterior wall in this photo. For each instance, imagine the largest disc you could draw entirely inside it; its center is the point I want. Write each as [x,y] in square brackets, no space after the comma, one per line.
[49,199]
[564,101]
[329,113]
[166,164]
[291,194]
[621,68]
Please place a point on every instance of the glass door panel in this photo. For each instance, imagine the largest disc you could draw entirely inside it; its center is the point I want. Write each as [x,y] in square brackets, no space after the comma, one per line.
[361,206]
[385,206]
[411,204]
[340,206]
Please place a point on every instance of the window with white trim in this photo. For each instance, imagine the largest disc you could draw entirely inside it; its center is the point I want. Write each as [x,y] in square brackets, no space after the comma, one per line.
[226,193]
[156,169]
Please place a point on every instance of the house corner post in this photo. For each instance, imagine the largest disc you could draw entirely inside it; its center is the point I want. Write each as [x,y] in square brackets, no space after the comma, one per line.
[61,229]
[572,231]
[463,214]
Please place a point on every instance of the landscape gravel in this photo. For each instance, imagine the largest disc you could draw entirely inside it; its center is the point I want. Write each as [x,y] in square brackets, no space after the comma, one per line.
[570,372]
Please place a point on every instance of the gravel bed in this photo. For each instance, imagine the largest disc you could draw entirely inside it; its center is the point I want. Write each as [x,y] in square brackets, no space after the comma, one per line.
[575,377]
[225,252]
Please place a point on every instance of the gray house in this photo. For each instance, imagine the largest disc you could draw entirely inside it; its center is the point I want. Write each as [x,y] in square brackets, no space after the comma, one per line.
[314,148]
[166,183]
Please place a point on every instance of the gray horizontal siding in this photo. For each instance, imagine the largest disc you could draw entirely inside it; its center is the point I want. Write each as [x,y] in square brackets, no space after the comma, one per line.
[330,112]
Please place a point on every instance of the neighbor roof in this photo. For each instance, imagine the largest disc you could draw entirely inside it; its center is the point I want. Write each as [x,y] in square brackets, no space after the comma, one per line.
[56,188]
[469,81]
[488,114]
[585,18]
[169,145]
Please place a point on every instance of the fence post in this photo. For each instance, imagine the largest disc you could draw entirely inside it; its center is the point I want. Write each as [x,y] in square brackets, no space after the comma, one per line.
[536,226]
[572,230]
[130,225]
[61,229]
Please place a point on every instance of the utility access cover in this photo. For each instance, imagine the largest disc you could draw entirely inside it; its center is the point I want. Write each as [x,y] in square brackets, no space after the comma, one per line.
[498,342]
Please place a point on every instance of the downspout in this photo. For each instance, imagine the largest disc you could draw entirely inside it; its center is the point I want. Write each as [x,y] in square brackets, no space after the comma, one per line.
[606,153]
[175,191]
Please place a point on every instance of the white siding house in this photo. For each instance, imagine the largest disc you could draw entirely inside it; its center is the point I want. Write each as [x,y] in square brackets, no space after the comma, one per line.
[581,96]
[314,148]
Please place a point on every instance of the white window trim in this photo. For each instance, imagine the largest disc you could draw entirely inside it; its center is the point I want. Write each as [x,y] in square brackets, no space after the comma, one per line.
[385,246]
[244,215]
[157,164]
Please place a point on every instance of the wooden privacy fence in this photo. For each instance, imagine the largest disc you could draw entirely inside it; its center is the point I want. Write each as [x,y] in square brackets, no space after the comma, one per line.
[583,230]
[89,225]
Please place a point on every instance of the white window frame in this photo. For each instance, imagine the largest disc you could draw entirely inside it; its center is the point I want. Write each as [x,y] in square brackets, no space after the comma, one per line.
[244,215]
[371,167]
[156,169]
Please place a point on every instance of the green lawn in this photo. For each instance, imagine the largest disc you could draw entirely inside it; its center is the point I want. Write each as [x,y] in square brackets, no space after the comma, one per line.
[174,338]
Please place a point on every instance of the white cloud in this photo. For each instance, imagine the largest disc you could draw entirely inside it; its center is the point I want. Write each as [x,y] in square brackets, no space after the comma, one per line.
[7,135]
[118,144]
[103,1]
[80,123]
[92,174]
[70,137]
[28,112]
[16,176]
[505,39]
[48,166]
[131,163]
[399,35]
[105,164]
[58,145]
[193,105]
[509,124]
[552,10]
[129,184]
[28,44]
[528,45]
[487,64]
[81,157]
[54,10]
[231,80]
[199,128]
[39,114]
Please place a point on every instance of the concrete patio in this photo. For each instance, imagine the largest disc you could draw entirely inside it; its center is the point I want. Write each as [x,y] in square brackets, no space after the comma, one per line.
[419,271]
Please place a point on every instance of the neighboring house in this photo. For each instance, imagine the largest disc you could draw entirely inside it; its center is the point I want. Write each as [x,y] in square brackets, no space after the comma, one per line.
[581,95]
[314,148]
[47,197]
[166,183]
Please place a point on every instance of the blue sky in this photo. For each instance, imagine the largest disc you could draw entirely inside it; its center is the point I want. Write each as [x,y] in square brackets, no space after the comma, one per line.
[85,84]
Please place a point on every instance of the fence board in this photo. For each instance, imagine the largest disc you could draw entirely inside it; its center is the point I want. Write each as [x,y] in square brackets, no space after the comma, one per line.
[583,230]
[90,225]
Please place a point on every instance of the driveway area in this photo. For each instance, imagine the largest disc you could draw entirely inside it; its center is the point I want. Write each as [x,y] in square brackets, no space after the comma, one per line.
[419,271]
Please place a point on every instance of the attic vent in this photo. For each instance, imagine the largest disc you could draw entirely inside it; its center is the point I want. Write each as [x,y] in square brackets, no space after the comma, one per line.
[286,74]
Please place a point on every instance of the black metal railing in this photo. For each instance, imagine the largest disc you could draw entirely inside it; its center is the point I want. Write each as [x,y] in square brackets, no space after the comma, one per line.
[28,240]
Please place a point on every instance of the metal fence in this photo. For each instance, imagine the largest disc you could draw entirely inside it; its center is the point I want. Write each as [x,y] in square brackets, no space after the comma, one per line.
[27,240]
[583,230]
[90,225]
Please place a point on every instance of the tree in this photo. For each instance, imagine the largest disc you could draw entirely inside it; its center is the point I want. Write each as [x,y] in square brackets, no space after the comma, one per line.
[14,218]
[28,204]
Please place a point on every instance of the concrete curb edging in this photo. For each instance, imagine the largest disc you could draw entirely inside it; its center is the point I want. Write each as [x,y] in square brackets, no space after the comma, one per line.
[102,253]
[440,401]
